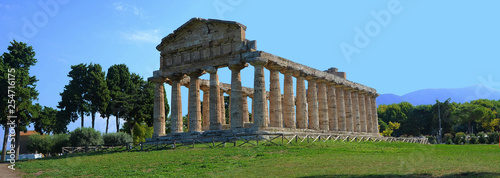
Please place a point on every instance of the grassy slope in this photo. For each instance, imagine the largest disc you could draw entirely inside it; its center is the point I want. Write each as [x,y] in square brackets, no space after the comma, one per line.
[318,159]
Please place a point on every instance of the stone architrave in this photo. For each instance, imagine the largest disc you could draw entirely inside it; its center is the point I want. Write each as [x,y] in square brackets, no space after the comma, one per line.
[355,114]
[159,110]
[332,107]
[323,106]
[176,115]
[259,97]
[237,109]
[194,107]
[302,114]
[215,122]
[276,117]
[348,110]
[288,101]
[340,108]
[312,103]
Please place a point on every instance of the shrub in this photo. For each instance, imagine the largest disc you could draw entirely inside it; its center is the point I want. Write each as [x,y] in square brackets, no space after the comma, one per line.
[493,137]
[459,138]
[447,136]
[141,132]
[432,139]
[85,136]
[118,138]
[59,141]
[473,139]
[481,137]
[39,143]
[449,142]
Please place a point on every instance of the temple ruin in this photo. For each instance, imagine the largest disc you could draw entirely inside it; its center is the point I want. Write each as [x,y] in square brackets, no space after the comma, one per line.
[329,104]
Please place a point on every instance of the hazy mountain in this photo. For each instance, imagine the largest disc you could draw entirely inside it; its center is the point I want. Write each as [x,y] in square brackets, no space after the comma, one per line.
[428,96]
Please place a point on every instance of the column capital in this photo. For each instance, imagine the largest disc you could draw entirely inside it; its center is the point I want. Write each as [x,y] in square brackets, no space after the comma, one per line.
[237,65]
[204,88]
[286,70]
[275,67]
[257,61]
[195,73]
[158,79]
[176,76]
[311,77]
[210,69]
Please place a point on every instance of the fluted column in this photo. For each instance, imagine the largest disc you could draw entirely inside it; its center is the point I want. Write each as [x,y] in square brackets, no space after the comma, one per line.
[206,107]
[312,103]
[260,100]
[355,114]
[323,106]
[332,107]
[176,116]
[159,110]
[244,102]
[215,122]
[362,112]
[374,114]
[194,107]
[288,101]
[237,108]
[275,107]
[369,120]
[348,110]
[222,108]
[302,114]
[340,108]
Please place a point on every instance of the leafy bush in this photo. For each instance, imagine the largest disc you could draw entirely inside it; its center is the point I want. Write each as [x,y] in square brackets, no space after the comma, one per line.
[118,138]
[432,139]
[39,143]
[447,136]
[493,137]
[473,139]
[459,138]
[141,132]
[59,141]
[449,142]
[85,136]
[481,137]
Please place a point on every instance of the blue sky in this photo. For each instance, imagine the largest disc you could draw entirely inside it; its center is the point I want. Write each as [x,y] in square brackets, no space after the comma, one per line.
[424,44]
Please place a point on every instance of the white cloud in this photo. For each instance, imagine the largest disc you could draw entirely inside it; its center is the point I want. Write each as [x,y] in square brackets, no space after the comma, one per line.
[145,36]
[127,8]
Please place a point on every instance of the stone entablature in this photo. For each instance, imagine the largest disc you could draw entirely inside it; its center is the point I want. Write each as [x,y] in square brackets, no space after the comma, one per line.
[331,103]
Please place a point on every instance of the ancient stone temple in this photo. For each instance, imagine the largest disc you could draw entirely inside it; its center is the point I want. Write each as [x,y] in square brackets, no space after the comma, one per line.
[329,104]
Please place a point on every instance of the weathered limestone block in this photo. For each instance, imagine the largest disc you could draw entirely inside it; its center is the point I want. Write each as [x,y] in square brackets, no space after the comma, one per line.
[323,106]
[374,114]
[332,107]
[222,108]
[312,103]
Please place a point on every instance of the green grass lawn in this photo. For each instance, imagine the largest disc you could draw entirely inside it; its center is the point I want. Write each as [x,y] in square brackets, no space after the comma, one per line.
[306,160]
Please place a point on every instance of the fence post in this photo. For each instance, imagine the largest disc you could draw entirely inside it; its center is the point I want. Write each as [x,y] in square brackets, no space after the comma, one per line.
[141,145]
[86,148]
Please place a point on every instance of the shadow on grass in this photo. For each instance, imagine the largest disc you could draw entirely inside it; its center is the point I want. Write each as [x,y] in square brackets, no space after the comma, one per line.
[463,174]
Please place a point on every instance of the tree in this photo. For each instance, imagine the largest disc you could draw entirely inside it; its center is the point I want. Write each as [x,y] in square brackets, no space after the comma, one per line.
[97,93]
[118,81]
[45,122]
[73,102]
[390,128]
[18,62]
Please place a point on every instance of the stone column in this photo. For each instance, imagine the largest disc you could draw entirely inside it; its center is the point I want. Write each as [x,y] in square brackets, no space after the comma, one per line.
[323,106]
[362,112]
[222,108]
[260,100]
[253,109]
[159,110]
[206,107]
[244,102]
[348,110]
[355,112]
[301,116]
[369,120]
[312,103]
[340,108]
[332,108]
[237,108]
[276,117]
[374,113]
[215,122]
[194,107]
[176,116]
[288,101]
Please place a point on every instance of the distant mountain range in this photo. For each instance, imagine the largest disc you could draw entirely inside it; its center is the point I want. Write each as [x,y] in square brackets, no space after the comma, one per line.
[428,96]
